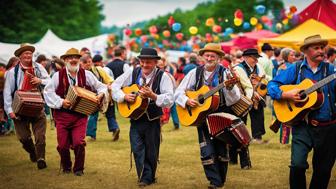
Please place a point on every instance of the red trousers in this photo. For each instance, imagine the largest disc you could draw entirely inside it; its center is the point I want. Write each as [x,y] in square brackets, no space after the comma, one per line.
[71,131]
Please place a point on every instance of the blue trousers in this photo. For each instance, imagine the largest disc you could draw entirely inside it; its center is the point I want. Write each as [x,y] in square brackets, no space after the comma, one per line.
[174,116]
[145,145]
[214,157]
[111,119]
[322,139]
[92,125]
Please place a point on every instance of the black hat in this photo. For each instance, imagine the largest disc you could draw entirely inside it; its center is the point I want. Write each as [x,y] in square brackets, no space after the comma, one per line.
[251,52]
[266,47]
[148,53]
[97,58]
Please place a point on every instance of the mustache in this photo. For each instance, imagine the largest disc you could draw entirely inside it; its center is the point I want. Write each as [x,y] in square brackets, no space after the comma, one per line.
[319,55]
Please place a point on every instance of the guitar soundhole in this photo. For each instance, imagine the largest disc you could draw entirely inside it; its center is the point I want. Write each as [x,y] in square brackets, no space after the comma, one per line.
[262,86]
[201,99]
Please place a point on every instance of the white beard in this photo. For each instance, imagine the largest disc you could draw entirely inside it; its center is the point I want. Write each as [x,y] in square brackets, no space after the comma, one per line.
[72,68]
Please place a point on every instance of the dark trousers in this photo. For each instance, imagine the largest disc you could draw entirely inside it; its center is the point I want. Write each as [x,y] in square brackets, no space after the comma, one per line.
[71,130]
[145,145]
[111,119]
[244,154]
[214,157]
[23,132]
[323,142]
[257,122]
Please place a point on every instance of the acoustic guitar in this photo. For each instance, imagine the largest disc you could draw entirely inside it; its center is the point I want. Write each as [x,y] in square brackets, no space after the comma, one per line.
[261,88]
[289,111]
[207,102]
[136,109]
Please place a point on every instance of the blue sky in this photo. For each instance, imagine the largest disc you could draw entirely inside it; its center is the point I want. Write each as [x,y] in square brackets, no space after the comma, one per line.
[122,12]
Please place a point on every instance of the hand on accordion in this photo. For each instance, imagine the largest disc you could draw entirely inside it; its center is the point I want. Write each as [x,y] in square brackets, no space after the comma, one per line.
[35,81]
[12,115]
[66,104]
[100,98]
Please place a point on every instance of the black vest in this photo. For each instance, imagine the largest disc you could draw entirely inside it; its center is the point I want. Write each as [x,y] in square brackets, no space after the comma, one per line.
[153,111]
[117,67]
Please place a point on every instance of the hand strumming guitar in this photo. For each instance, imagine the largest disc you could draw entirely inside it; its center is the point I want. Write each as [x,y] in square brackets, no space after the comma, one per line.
[130,98]
[191,102]
[293,94]
[146,92]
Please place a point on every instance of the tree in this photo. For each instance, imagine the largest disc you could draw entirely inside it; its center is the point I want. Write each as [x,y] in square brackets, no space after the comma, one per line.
[28,20]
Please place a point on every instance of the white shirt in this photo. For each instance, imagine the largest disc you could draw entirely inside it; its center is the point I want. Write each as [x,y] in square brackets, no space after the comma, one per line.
[245,80]
[10,83]
[55,101]
[231,96]
[267,65]
[165,99]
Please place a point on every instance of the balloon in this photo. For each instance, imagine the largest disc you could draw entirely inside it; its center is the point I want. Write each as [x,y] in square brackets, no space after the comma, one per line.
[127,31]
[226,20]
[216,38]
[171,21]
[179,36]
[153,29]
[216,28]
[237,22]
[292,9]
[259,26]
[166,33]
[193,30]
[285,21]
[278,26]
[144,38]
[246,25]
[210,22]
[295,19]
[176,26]
[265,19]
[155,36]
[146,44]
[238,14]
[228,30]
[207,35]
[253,21]
[260,9]
[138,32]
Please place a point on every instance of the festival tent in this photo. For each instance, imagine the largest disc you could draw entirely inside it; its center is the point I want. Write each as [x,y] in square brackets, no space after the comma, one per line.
[50,44]
[320,10]
[247,40]
[294,38]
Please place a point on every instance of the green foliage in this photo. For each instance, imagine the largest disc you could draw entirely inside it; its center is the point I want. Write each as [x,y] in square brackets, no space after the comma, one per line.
[28,20]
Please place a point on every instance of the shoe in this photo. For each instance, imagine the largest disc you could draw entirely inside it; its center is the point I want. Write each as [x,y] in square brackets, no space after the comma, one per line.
[247,167]
[115,135]
[41,164]
[32,157]
[66,171]
[92,139]
[79,173]
[142,184]
[211,186]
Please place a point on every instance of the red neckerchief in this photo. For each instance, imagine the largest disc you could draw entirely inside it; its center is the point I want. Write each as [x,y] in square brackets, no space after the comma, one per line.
[28,75]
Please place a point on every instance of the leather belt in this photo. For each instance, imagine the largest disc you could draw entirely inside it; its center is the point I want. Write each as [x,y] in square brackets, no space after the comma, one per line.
[314,122]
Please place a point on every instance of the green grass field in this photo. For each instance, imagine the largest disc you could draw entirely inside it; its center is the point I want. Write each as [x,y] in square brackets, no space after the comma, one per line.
[107,163]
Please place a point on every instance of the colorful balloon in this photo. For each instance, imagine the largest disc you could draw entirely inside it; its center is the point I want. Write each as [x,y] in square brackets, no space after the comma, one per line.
[171,21]
[292,9]
[210,22]
[228,30]
[153,29]
[278,26]
[237,21]
[143,39]
[176,26]
[260,9]
[216,28]
[127,31]
[259,26]
[246,25]
[166,33]
[285,21]
[179,36]
[193,30]
[239,14]
[253,21]
[138,32]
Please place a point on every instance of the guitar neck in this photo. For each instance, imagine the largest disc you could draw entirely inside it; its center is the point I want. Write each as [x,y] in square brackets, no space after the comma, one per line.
[214,90]
[321,83]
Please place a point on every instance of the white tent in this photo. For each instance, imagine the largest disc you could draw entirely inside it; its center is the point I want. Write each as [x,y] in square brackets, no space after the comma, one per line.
[50,44]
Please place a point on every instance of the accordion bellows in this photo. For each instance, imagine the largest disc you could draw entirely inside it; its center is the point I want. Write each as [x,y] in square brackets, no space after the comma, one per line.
[27,103]
[82,100]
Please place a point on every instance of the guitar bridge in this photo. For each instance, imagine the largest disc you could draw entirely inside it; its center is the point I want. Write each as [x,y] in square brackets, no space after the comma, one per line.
[289,106]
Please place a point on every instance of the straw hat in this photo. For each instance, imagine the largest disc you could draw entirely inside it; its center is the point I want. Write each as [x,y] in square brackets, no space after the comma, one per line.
[71,52]
[312,40]
[212,47]
[24,47]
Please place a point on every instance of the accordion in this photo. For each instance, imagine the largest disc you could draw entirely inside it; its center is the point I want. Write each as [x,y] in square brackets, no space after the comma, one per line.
[82,100]
[27,103]
[228,128]
[242,107]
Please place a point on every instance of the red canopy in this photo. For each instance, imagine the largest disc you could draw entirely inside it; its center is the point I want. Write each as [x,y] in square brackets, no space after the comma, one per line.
[320,10]
[247,40]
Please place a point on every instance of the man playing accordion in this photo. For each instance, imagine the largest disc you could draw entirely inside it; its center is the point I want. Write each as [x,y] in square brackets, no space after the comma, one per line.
[214,154]
[27,76]
[71,125]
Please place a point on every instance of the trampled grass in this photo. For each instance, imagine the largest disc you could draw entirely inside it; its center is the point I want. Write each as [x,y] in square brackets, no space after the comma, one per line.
[107,163]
